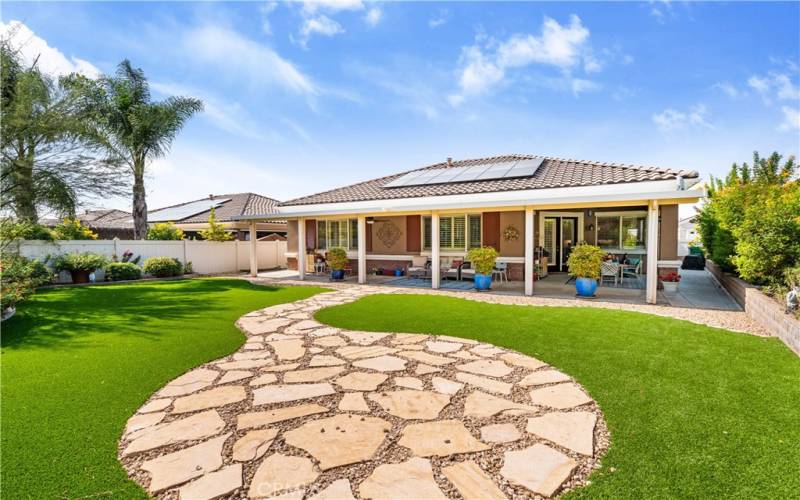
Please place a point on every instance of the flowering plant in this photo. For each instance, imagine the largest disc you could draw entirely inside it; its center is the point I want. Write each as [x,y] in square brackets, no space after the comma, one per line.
[672,277]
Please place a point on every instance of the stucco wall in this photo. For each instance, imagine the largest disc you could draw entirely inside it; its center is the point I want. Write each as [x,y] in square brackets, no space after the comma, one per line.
[389,235]
[668,233]
[512,248]
[291,235]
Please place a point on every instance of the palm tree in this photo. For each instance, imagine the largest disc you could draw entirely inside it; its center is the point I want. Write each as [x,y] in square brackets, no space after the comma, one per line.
[138,129]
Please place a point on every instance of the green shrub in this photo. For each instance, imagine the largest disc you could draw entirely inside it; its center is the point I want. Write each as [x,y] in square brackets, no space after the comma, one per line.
[188,268]
[165,231]
[163,267]
[119,271]
[585,261]
[72,229]
[337,258]
[482,259]
[215,231]
[11,230]
[79,262]
[20,277]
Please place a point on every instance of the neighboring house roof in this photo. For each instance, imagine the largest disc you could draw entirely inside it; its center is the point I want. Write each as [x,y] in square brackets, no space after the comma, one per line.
[552,173]
[104,218]
[228,207]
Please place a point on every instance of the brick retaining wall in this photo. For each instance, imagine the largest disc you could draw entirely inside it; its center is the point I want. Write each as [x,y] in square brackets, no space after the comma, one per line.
[762,308]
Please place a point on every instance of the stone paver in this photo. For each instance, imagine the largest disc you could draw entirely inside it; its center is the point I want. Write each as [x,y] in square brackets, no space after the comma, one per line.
[304,411]
[339,440]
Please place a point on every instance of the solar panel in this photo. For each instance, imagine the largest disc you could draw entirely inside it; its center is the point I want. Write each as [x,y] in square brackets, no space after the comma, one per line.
[486,171]
[184,211]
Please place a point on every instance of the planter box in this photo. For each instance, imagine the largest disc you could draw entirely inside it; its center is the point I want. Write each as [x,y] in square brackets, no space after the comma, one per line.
[670,286]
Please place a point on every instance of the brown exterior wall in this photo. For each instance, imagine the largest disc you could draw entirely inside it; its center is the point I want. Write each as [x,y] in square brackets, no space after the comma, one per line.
[512,248]
[491,230]
[413,233]
[668,233]
[291,235]
[389,235]
[311,234]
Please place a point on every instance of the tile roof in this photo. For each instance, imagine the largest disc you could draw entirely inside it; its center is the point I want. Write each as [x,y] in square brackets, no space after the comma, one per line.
[104,218]
[237,205]
[554,172]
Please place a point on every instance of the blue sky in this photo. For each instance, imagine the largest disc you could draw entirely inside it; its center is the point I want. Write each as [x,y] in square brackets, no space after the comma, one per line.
[302,97]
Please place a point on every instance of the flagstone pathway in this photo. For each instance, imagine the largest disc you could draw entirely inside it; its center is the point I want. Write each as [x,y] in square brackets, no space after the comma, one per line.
[304,410]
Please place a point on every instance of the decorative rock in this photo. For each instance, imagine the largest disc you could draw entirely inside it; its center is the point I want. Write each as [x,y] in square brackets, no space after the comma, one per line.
[500,433]
[264,379]
[365,338]
[539,468]
[516,359]
[409,382]
[244,364]
[337,490]
[472,482]
[323,360]
[573,430]
[234,375]
[339,440]
[137,422]
[361,381]
[281,368]
[214,484]
[353,401]
[281,472]
[441,438]
[253,445]
[207,423]
[155,405]
[212,398]
[487,367]
[412,405]
[485,383]
[189,463]
[331,341]
[442,347]
[481,405]
[358,352]
[407,480]
[382,364]
[445,386]
[423,369]
[424,357]
[288,350]
[543,377]
[293,392]
[261,418]
[312,374]
[560,396]
[189,382]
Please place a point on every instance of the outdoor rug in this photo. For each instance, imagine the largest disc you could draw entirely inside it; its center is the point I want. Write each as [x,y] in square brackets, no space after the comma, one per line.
[426,283]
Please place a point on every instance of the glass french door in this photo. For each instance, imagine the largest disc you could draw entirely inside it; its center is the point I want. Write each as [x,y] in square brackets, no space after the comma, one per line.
[560,236]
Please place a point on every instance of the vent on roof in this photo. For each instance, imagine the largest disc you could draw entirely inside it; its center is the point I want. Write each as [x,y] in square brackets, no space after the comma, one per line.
[484,172]
[184,211]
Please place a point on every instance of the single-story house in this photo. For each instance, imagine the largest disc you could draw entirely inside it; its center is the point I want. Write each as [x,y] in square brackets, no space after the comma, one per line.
[108,223]
[192,216]
[532,209]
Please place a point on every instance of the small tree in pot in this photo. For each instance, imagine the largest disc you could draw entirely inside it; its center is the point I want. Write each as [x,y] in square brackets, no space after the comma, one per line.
[337,260]
[482,260]
[584,264]
[79,265]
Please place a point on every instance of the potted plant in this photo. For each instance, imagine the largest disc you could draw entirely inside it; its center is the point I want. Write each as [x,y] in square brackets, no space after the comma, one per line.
[584,264]
[670,281]
[483,260]
[337,260]
[79,265]
[398,271]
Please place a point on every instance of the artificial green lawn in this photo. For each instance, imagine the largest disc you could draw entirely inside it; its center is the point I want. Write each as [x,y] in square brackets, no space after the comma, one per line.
[693,411]
[78,362]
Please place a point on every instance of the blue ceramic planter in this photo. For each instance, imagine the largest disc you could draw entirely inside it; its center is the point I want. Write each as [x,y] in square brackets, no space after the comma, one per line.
[337,274]
[483,281]
[398,272]
[585,286]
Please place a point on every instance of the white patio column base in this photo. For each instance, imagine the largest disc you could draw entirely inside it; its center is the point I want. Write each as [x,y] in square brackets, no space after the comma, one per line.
[529,218]
[435,253]
[651,286]
[301,249]
[362,249]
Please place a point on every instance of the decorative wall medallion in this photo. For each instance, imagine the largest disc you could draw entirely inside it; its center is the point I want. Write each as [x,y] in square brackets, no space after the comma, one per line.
[389,233]
[510,233]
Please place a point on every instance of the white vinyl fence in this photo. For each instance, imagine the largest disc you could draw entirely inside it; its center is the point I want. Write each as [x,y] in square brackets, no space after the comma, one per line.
[207,257]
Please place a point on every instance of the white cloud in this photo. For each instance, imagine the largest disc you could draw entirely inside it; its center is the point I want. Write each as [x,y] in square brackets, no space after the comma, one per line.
[266,9]
[49,59]
[246,58]
[441,18]
[791,119]
[671,120]
[561,46]
[312,6]
[774,86]
[728,89]
[661,10]
[373,17]
[320,25]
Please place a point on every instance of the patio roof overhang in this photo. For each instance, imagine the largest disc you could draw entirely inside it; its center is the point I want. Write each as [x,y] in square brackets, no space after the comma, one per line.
[636,193]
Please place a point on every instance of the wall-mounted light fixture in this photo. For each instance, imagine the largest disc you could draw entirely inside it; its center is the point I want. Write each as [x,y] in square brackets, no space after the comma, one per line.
[591,227]
[591,213]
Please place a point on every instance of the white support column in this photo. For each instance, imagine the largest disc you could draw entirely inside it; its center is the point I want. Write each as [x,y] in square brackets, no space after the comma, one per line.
[362,249]
[435,259]
[253,250]
[652,252]
[301,248]
[529,218]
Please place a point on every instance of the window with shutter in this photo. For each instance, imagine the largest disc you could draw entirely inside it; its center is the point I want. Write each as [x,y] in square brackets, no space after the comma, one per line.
[353,234]
[322,235]
[445,232]
[459,232]
[426,233]
[474,231]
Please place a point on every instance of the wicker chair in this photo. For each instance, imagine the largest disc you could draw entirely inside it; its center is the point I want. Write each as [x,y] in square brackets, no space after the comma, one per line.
[609,270]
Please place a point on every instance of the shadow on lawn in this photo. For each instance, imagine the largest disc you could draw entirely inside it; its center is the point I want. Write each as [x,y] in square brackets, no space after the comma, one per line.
[58,318]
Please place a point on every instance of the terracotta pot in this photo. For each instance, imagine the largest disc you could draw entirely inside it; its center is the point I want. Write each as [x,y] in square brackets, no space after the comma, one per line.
[80,276]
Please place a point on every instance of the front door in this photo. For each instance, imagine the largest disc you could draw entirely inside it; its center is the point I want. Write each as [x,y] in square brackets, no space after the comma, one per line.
[560,236]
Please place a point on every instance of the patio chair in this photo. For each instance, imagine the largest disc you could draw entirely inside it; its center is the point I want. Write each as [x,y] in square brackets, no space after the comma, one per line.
[418,267]
[467,272]
[632,267]
[501,271]
[609,270]
[454,270]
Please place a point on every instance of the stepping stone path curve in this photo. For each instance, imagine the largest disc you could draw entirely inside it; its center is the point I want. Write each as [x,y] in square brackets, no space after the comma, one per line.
[307,411]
